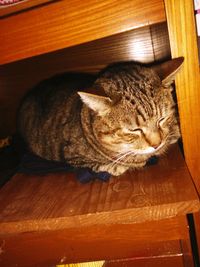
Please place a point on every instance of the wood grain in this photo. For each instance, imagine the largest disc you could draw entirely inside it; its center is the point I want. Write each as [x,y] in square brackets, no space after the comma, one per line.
[183,41]
[197,229]
[84,264]
[103,242]
[168,261]
[58,201]
[187,252]
[63,24]
[21,6]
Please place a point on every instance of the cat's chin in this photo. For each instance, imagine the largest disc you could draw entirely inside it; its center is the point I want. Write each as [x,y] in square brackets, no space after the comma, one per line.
[146,151]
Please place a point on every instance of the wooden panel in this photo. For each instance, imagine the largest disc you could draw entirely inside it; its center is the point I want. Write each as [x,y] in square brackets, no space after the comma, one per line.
[106,242]
[182,32]
[63,24]
[197,228]
[9,9]
[145,45]
[168,261]
[187,253]
[152,194]
[84,264]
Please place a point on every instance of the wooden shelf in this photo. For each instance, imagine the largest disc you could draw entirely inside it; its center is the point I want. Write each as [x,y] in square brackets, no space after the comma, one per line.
[62,24]
[137,210]
[10,9]
[62,202]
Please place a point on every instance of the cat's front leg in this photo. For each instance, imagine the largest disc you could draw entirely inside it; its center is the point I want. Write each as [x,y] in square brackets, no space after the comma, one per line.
[120,169]
[113,170]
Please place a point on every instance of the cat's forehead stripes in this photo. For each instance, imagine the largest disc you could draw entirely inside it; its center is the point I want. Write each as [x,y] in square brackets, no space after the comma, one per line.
[137,88]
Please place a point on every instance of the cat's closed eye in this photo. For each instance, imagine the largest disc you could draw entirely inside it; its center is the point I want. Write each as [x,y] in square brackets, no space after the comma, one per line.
[163,121]
[136,131]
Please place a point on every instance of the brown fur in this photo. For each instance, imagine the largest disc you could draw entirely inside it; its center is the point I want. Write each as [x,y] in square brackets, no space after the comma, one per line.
[133,120]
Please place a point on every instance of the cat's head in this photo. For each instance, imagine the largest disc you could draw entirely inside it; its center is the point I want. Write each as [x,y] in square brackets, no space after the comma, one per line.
[138,114]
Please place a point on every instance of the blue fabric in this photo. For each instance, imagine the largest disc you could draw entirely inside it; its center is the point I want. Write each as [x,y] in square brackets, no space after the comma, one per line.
[32,164]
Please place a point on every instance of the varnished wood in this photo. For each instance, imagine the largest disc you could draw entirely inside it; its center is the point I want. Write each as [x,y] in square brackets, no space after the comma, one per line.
[21,6]
[197,230]
[167,261]
[84,264]
[187,252]
[62,202]
[97,242]
[67,23]
[145,45]
[183,41]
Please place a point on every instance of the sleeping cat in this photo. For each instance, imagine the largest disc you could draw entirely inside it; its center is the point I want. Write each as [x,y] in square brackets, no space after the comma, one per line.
[113,122]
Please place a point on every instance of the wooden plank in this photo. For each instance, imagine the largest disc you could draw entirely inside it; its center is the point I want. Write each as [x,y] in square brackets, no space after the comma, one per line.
[197,230]
[167,261]
[183,40]
[33,203]
[145,45]
[187,252]
[63,24]
[84,264]
[9,9]
[105,242]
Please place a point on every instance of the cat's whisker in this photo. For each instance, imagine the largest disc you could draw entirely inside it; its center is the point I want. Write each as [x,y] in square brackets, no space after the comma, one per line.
[119,154]
[115,162]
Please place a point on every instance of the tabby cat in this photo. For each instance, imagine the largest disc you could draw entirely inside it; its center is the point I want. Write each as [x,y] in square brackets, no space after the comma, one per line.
[129,119]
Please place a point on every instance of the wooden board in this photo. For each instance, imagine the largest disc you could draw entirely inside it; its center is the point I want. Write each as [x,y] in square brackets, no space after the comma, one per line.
[54,219]
[50,248]
[63,24]
[183,41]
[147,44]
[59,201]
[10,9]
[168,261]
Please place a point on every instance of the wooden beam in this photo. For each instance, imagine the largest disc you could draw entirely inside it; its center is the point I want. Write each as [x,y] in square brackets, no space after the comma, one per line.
[183,40]
[62,24]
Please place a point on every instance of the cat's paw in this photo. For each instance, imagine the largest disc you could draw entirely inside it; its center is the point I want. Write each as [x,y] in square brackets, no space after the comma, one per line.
[118,170]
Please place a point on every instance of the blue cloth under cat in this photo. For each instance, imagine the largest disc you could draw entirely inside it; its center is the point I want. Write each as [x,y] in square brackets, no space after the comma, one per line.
[32,164]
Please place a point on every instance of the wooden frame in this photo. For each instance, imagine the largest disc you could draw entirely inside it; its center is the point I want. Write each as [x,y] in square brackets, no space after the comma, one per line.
[183,40]
[61,26]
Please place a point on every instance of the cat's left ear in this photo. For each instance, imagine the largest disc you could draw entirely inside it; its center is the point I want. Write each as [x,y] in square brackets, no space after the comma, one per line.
[100,104]
[168,70]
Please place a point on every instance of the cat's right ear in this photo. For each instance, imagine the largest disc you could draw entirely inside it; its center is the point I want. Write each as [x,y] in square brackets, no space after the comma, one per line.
[168,70]
[100,104]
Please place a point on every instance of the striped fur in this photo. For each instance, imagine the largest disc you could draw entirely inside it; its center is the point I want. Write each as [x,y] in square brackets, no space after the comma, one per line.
[133,119]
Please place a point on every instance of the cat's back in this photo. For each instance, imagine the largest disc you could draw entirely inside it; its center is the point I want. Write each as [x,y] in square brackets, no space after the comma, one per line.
[56,89]
[45,109]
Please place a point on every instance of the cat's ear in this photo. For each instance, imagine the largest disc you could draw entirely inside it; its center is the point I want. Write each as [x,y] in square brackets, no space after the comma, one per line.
[100,104]
[168,70]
